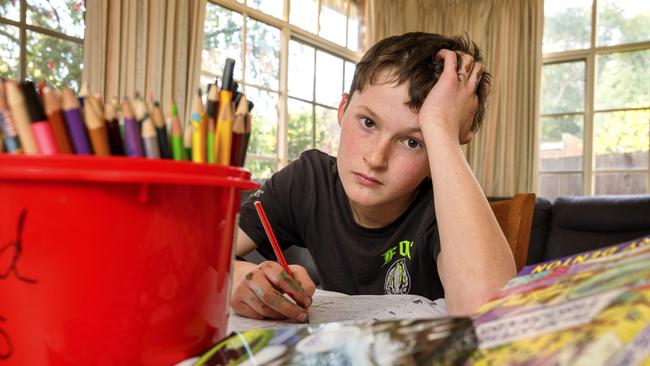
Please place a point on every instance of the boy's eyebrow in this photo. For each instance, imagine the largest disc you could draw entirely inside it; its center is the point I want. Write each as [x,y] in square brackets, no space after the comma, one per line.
[370,112]
[375,117]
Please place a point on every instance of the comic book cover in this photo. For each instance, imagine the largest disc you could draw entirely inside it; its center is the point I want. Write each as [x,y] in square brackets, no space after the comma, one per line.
[585,256]
[446,341]
[594,312]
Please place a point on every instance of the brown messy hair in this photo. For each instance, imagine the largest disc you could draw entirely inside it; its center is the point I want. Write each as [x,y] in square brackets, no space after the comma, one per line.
[410,58]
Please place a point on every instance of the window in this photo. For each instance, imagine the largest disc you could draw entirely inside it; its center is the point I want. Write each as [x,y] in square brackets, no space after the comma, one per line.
[595,99]
[293,60]
[42,40]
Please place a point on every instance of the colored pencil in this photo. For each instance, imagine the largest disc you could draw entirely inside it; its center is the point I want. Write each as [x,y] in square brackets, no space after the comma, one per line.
[16,102]
[113,126]
[238,131]
[94,113]
[52,104]
[161,131]
[188,136]
[269,232]
[213,107]
[224,121]
[177,134]
[150,140]
[247,133]
[198,137]
[41,128]
[132,139]
[11,141]
[139,109]
[75,123]
[83,93]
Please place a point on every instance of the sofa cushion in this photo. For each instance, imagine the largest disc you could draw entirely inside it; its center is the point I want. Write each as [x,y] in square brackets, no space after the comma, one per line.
[539,230]
[581,223]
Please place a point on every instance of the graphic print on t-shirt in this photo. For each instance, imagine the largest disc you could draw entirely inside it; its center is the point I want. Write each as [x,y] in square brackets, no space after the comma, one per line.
[398,279]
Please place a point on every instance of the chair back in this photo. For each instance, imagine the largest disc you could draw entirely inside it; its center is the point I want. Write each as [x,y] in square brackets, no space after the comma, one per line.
[515,217]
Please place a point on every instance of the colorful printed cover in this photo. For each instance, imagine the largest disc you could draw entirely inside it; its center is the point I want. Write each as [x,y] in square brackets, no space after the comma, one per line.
[585,256]
[592,312]
[445,341]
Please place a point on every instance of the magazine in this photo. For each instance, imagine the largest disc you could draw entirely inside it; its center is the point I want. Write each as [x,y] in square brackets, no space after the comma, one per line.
[593,312]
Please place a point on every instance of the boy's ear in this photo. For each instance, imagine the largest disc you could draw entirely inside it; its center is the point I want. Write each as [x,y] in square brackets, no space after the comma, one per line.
[342,105]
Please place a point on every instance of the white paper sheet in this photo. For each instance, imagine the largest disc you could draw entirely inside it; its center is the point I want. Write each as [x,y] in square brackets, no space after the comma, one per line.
[330,306]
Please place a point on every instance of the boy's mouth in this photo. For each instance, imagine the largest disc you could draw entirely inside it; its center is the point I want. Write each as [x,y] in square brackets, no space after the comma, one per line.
[366,180]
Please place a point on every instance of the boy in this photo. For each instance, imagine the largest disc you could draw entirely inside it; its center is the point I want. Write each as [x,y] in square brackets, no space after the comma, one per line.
[369,217]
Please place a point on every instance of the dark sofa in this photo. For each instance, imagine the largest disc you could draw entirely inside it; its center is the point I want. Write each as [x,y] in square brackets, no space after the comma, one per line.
[575,224]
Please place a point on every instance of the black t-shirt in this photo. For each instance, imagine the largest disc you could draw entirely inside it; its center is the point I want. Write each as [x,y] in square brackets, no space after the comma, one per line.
[307,206]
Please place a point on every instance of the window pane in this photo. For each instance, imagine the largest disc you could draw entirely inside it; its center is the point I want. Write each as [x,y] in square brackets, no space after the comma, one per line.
[263,53]
[567,25]
[54,60]
[260,169]
[623,80]
[327,130]
[554,185]
[329,79]
[271,7]
[10,9]
[561,143]
[265,122]
[623,21]
[301,70]
[355,24]
[222,39]
[301,131]
[621,183]
[304,13]
[349,74]
[563,87]
[622,139]
[9,52]
[333,18]
[62,16]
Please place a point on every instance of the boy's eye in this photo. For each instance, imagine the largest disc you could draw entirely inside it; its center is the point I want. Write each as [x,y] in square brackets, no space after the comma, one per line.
[367,122]
[412,143]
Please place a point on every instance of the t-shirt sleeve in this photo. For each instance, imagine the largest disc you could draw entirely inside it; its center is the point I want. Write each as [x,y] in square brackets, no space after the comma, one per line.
[283,197]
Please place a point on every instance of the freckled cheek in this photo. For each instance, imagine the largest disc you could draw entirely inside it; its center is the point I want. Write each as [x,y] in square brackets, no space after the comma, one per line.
[410,169]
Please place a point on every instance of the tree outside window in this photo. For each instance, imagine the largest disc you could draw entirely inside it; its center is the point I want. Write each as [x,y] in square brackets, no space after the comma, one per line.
[42,40]
[595,99]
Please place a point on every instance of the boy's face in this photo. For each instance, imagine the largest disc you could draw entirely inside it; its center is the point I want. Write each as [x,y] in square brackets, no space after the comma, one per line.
[382,158]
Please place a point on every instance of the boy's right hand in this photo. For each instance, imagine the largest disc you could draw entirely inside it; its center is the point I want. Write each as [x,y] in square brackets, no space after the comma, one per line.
[259,293]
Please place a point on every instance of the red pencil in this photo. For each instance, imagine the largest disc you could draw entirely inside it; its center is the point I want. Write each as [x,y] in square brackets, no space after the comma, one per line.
[271,235]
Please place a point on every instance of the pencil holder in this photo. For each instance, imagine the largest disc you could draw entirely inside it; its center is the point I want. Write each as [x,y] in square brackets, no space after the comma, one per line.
[114,261]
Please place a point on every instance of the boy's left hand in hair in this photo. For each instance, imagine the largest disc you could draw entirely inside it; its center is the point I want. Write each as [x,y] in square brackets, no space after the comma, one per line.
[452,103]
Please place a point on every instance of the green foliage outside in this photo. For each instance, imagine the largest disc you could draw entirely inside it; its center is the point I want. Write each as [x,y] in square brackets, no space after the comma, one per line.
[57,61]
[622,79]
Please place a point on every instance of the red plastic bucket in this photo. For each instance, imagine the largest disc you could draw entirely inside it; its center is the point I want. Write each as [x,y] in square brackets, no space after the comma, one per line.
[113,261]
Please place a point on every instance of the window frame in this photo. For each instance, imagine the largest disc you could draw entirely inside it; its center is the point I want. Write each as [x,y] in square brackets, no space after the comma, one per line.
[288,32]
[588,56]
[23,27]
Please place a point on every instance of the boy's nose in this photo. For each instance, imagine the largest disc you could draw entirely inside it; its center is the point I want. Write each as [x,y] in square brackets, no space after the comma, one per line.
[377,155]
